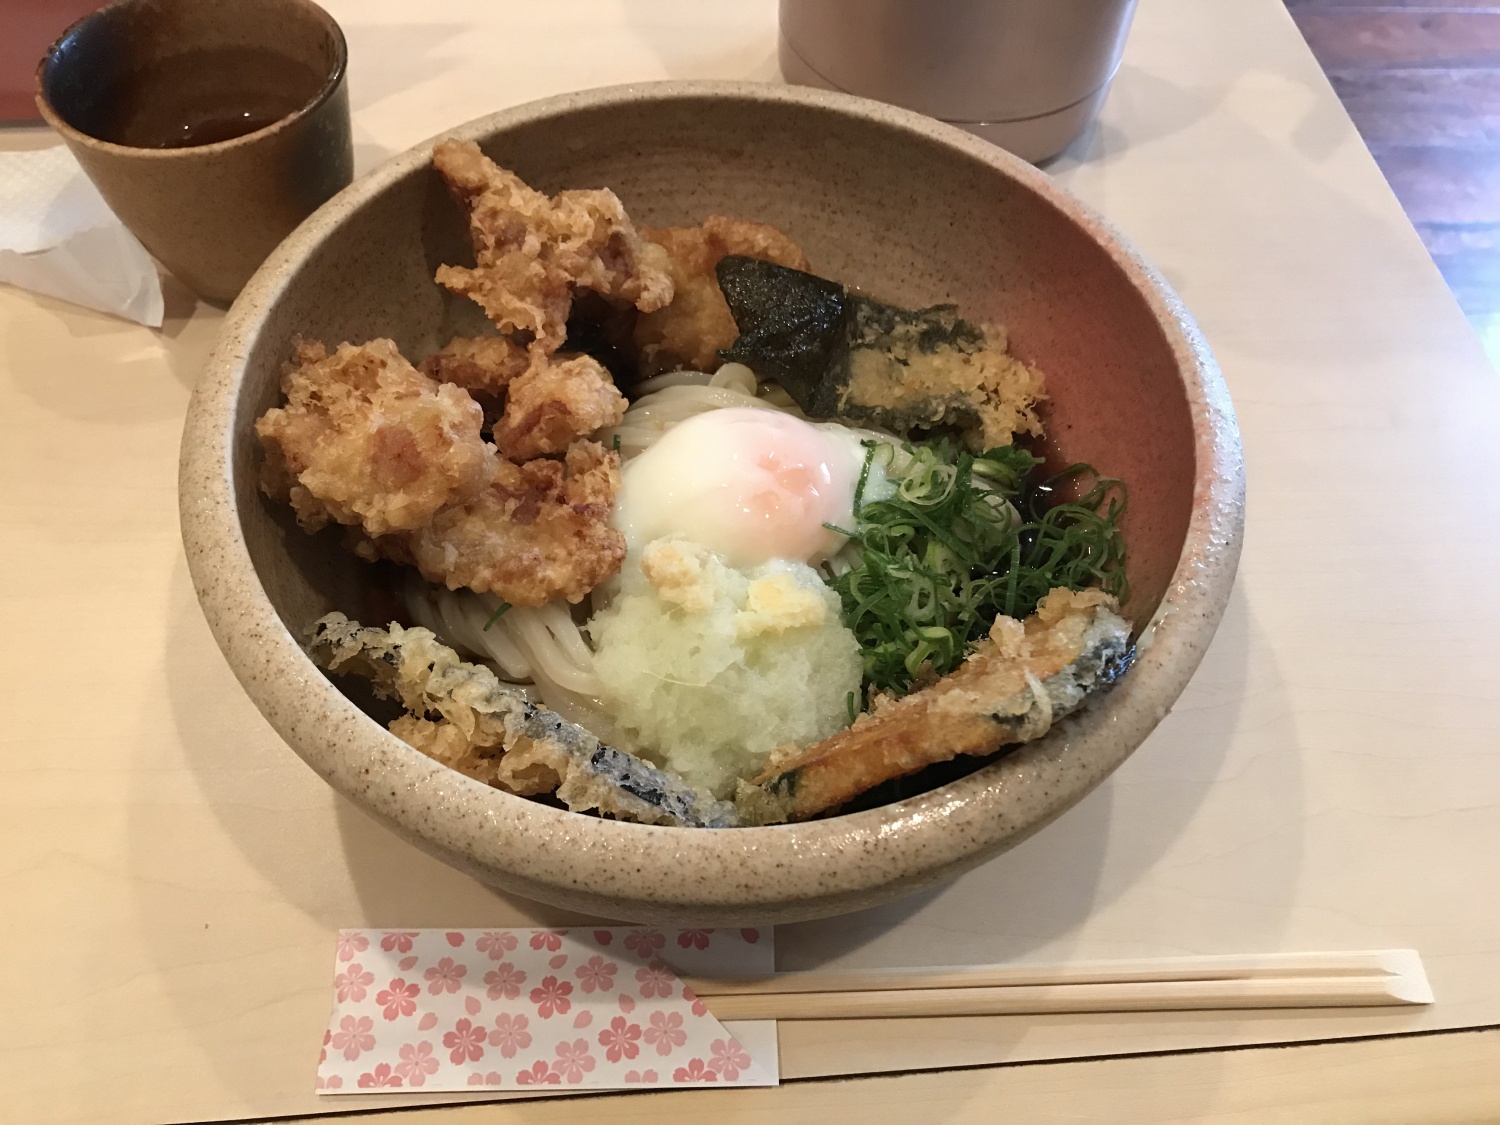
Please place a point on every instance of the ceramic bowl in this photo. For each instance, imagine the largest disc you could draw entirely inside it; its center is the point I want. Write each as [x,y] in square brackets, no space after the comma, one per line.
[909,209]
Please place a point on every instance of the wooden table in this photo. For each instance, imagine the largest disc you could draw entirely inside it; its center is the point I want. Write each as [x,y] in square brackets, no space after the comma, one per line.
[172,874]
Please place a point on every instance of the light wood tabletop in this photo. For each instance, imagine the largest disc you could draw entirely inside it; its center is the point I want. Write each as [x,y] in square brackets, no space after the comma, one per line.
[173,875]
[1433,1080]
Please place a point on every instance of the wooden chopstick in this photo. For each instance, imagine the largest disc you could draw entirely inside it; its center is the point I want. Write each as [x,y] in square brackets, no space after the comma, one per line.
[1300,980]
[1378,962]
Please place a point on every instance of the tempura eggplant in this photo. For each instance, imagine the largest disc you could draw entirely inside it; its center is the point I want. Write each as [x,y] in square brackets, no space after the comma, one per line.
[492,733]
[842,355]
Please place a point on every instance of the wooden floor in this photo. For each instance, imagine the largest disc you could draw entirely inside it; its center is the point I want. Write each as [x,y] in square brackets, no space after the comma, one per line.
[1421,79]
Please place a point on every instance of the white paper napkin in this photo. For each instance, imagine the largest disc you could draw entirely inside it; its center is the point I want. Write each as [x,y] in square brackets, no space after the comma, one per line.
[58,237]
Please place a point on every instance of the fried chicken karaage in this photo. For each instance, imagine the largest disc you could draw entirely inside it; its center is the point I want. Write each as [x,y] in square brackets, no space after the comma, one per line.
[532,251]
[540,531]
[486,364]
[396,454]
[366,439]
[690,330]
[539,405]
[554,404]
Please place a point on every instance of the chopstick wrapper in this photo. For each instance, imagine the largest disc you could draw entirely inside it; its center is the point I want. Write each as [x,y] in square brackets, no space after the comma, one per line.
[540,1010]
[59,238]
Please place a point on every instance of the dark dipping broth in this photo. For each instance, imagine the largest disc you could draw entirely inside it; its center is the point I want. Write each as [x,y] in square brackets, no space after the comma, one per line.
[204,97]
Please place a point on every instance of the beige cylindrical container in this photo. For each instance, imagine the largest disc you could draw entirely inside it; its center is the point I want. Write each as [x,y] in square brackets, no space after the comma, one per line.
[1029,75]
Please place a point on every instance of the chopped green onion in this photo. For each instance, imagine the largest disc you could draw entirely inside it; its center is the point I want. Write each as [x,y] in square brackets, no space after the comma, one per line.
[497,615]
[965,539]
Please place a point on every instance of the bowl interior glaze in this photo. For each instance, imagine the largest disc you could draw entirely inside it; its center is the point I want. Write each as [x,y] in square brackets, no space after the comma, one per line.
[906,209]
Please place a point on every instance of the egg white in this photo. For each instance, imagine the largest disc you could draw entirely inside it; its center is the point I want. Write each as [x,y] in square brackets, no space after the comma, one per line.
[751,485]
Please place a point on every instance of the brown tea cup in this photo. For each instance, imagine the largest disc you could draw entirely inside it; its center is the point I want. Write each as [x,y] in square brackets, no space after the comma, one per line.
[211,129]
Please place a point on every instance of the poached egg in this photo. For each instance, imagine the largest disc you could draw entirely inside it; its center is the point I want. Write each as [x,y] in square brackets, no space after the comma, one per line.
[751,485]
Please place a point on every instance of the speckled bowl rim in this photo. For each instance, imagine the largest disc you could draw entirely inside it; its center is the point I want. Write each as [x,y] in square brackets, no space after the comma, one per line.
[647,873]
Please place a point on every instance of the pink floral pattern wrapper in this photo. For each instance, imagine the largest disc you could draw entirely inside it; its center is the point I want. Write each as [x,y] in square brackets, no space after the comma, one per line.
[539,1010]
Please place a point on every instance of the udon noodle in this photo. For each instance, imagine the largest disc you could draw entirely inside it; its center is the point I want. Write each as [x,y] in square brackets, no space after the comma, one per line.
[673,398]
[541,647]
